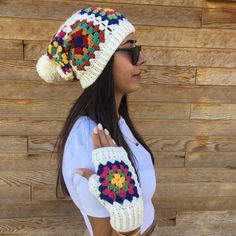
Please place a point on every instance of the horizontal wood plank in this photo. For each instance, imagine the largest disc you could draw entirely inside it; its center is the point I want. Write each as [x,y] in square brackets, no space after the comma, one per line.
[45,193]
[11,49]
[203,217]
[161,93]
[196,203]
[208,229]
[151,15]
[146,35]
[21,70]
[51,226]
[213,111]
[195,190]
[28,162]
[16,126]
[169,159]
[184,127]
[216,76]
[210,159]
[196,175]
[194,94]
[13,144]
[219,18]
[191,144]
[184,3]
[30,178]
[60,109]
[14,194]
[162,56]
[38,209]
[191,57]
[158,111]
[219,4]
[186,37]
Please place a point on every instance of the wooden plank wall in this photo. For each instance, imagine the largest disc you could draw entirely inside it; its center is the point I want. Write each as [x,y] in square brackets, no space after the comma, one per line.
[186,111]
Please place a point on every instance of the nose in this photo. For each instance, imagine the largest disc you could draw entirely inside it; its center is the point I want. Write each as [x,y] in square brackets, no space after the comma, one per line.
[142,58]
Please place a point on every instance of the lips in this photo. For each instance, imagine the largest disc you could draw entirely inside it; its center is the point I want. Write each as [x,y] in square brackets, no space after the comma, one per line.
[137,74]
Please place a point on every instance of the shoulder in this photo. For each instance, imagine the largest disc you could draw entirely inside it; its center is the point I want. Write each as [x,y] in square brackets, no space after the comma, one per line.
[78,147]
[81,132]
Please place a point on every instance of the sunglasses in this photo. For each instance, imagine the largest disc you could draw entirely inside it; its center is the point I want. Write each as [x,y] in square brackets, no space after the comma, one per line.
[134,53]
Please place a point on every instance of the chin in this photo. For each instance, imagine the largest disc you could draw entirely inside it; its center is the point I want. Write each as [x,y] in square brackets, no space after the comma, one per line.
[134,88]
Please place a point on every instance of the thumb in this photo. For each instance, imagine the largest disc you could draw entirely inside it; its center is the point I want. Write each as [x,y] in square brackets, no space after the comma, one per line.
[84,172]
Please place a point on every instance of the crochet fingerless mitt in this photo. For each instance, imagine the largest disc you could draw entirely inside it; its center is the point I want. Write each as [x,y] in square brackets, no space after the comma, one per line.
[116,186]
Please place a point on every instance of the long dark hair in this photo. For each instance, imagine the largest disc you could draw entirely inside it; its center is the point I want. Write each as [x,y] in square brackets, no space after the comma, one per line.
[98,103]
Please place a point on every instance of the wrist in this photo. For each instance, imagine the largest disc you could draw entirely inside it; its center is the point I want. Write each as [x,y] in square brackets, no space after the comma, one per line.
[135,232]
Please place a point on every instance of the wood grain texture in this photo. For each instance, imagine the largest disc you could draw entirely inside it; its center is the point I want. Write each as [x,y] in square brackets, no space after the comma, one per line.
[213,111]
[161,93]
[59,225]
[39,209]
[195,203]
[208,229]
[183,3]
[216,76]
[196,175]
[11,49]
[195,190]
[161,56]
[185,111]
[191,144]
[60,108]
[22,70]
[13,144]
[211,159]
[201,217]
[41,127]
[220,18]
[28,162]
[151,15]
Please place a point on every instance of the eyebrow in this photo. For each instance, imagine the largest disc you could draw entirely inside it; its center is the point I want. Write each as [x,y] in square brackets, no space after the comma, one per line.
[130,41]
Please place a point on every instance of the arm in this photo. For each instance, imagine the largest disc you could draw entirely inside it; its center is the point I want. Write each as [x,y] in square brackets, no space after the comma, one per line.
[120,212]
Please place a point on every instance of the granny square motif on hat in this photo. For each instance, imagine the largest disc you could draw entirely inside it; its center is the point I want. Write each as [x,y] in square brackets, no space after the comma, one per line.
[83,45]
[109,14]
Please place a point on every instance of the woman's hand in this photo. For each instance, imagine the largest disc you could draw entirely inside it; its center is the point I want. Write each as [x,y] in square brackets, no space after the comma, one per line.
[115,183]
[100,138]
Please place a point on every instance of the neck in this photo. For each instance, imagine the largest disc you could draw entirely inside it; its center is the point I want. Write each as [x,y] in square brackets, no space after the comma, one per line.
[118,98]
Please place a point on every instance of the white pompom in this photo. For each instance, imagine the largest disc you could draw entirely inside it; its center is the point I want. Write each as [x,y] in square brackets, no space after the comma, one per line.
[47,69]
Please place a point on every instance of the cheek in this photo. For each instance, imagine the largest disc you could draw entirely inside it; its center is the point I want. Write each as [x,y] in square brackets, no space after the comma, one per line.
[122,71]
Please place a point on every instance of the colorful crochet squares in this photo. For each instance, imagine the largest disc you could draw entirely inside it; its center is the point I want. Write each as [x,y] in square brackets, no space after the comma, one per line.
[58,52]
[117,183]
[83,41]
[109,14]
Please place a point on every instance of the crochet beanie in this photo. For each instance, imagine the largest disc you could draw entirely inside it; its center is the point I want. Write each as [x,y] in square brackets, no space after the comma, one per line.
[83,45]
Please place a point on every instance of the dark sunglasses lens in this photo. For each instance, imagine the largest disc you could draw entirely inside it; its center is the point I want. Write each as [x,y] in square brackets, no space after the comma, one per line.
[135,54]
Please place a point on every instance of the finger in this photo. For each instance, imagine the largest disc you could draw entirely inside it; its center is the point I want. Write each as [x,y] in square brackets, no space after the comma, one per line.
[110,141]
[84,172]
[95,139]
[102,136]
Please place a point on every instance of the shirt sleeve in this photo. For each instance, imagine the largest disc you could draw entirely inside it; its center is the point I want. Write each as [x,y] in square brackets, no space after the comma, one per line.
[78,154]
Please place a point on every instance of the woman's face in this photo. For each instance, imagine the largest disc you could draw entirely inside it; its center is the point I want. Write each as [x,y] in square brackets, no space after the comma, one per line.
[126,75]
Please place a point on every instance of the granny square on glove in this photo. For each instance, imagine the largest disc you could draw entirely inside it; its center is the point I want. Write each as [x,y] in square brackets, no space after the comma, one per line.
[116,186]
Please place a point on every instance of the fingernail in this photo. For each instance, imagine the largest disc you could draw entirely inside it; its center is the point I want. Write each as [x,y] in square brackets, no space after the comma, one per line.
[106,131]
[113,141]
[100,126]
[80,172]
[95,130]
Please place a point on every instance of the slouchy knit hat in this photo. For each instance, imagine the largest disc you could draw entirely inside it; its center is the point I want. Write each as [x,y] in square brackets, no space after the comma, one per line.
[83,45]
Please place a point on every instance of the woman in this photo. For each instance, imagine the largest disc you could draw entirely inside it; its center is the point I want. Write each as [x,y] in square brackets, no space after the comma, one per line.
[97,47]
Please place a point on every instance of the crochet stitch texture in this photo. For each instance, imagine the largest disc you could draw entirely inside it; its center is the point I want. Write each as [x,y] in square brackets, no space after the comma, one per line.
[83,45]
[116,186]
